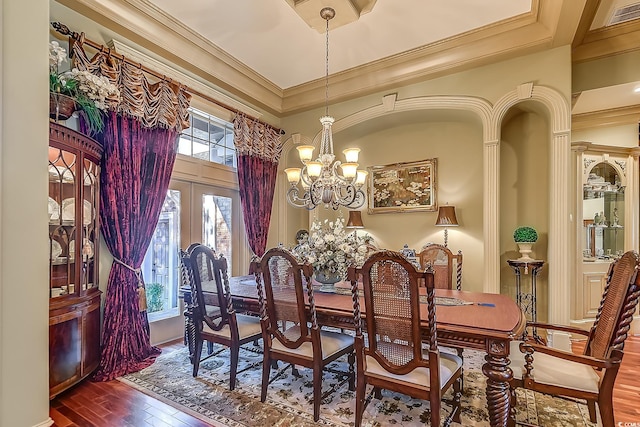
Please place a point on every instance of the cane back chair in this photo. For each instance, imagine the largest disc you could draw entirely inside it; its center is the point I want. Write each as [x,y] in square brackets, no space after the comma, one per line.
[213,314]
[392,356]
[589,376]
[290,329]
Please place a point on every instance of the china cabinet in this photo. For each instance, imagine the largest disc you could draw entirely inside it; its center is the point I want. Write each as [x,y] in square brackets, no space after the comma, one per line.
[607,220]
[74,304]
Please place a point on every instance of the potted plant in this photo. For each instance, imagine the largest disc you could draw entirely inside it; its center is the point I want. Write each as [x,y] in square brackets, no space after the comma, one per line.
[155,297]
[525,237]
[75,89]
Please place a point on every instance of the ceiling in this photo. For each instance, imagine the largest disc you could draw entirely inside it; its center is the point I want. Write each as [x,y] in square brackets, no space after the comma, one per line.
[273,40]
[269,55]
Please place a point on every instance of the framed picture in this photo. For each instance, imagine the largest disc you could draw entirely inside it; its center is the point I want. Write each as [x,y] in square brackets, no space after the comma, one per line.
[403,187]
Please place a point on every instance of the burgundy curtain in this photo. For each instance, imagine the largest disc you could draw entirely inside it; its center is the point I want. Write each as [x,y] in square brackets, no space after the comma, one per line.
[259,148]
[136,170]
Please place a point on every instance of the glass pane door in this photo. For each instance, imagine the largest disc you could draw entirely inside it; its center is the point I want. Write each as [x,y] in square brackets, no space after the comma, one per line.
[216,224]
[160,265]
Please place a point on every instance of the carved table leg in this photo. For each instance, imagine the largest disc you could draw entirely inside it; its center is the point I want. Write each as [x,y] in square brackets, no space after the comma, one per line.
[498,375]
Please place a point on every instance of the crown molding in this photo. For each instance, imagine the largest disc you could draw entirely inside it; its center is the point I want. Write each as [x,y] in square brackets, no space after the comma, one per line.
[604,118]
[527,33]
[151,28]
[608,41]
[146,25]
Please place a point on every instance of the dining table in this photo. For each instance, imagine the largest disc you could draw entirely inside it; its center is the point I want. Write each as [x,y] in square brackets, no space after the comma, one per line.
[481,321]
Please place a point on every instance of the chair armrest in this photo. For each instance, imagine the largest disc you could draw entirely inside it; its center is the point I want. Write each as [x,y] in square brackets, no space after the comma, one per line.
[562,328]
[572,357]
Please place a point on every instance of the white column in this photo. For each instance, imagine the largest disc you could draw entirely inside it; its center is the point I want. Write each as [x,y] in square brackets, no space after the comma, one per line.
[491,212]
[561,255]
[577,288]
[24,275]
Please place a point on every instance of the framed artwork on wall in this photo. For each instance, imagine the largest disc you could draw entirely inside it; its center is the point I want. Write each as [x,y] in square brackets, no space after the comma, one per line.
[403,187]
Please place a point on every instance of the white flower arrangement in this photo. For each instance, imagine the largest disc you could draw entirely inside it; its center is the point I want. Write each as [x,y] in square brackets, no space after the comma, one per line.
[96,88]
[330,249]
[90,92]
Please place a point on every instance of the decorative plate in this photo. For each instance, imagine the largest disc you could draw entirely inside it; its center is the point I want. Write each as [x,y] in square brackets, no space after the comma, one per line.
[87,248]
[54,210]
[56,249]
[69,211]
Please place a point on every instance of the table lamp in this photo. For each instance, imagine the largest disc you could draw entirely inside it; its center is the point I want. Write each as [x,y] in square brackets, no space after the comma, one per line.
[446,218]
[355,220]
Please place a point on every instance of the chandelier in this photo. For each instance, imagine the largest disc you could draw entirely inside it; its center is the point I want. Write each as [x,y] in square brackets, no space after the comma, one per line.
[319,181]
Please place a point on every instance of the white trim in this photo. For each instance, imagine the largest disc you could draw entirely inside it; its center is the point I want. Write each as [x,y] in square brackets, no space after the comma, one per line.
[48,422]
[560,227]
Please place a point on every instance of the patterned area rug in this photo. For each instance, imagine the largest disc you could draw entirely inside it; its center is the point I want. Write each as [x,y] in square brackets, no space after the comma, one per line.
[208,398]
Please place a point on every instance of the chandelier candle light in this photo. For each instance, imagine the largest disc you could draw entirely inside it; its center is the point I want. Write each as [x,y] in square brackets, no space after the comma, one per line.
[320,180]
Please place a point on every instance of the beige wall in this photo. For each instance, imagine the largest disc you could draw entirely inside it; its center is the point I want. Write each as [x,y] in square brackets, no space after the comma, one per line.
[456,139]
[24,301]
[617,136]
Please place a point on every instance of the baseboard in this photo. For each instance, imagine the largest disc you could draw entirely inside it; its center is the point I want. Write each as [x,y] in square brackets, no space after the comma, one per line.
[635,325]
[46,423]
[560,340]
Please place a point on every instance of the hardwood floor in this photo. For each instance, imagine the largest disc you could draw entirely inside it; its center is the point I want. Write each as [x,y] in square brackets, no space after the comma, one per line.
[113,404]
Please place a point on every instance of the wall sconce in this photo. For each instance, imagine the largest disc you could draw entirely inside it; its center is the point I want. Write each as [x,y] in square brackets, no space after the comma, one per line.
[446,218]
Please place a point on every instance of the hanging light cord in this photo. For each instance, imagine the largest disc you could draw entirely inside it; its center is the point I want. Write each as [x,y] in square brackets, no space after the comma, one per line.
[326,79]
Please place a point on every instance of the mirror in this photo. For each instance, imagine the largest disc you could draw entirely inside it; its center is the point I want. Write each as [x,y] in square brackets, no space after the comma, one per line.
[603,213]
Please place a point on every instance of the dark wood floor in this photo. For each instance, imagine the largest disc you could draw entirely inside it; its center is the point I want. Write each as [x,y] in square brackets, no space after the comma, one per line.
[112,404]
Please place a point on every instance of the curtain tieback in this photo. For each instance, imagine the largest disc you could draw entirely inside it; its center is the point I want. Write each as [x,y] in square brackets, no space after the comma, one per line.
[142,295]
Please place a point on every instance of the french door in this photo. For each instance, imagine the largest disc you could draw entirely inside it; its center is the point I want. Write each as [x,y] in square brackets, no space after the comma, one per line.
[192,213]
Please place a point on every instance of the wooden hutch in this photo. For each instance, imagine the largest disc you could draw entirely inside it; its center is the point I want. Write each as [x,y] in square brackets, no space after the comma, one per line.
[74,304]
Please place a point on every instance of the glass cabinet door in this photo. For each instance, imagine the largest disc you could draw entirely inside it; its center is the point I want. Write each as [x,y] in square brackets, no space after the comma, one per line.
[603,213]
[73,208]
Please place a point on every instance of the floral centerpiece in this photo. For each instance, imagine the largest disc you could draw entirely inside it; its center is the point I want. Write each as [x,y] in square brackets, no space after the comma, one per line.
[330,249]
[92,94]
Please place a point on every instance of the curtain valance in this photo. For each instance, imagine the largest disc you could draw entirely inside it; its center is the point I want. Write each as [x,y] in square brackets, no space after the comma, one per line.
[256,139]
[161,104]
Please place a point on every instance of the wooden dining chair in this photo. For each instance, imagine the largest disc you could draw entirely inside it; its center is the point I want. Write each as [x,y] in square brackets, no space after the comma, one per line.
[442,260]
[290,328]
[392,356]
[213,315]
[589,376]
[186,282]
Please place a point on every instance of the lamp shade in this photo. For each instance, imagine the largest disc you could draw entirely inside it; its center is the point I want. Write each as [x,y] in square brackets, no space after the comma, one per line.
[447,216]
[355,220]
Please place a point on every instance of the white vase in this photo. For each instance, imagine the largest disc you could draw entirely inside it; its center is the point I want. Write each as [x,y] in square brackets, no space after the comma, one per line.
[525,250]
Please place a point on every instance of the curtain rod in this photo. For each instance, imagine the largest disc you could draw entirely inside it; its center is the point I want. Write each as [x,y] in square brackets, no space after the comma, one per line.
[65,31]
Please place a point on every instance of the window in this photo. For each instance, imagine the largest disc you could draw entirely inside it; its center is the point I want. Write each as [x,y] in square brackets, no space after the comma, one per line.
[208,138]
[160,267]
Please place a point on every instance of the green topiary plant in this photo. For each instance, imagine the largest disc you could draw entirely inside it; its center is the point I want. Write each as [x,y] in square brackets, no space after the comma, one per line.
[525,235]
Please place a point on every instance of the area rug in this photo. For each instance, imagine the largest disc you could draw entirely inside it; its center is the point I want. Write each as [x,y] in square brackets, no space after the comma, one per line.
[208,398]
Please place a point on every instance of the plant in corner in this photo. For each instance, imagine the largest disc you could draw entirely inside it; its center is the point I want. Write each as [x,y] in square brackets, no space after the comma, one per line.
[155,297]
[525,237]
[92,94]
